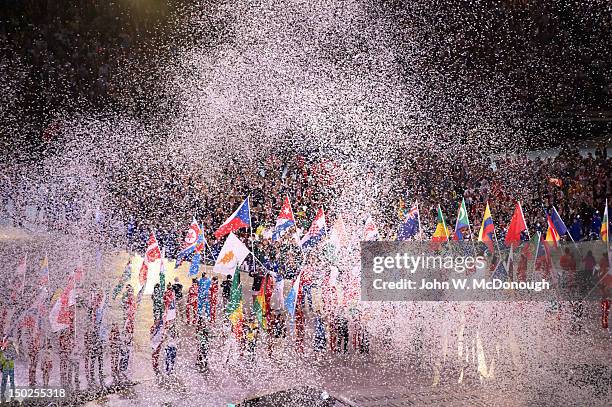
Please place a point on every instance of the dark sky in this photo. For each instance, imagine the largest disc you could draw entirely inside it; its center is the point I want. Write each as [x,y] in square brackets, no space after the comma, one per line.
[545,67]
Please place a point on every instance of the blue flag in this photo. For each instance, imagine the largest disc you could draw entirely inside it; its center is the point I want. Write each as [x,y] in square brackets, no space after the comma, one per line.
[410,227]
[291,299]
[558,222]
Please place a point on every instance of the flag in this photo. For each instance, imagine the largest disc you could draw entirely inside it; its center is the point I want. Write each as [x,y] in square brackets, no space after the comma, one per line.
[157,334]
[410,226]
[284,221]
[19,278]
[441,234]
[337,234]
[558,222]
[552,236]
[233,309]
[542,255]
[517,226]
[241,218]
[370,231]
[189,243]
[604,225]
[151,255]
[487,229]
[260,306]
[540,250]
[501,271]
[291,300]
[61,315]
[463,222]
[125,277]
[44,271]
[316,232]
[231,256]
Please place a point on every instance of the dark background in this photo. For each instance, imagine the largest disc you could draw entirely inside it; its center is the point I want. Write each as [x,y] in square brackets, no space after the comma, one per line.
[548,63]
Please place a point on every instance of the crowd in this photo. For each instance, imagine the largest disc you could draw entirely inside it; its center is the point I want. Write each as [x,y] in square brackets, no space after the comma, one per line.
[577,185]
[187,320]
[183,319]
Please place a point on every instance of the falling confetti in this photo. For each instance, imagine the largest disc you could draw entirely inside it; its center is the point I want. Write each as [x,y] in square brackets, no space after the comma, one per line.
[126,125]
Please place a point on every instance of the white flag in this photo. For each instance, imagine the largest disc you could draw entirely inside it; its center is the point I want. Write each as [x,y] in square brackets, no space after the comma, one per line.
[337,235]
[232,254]
[370,231]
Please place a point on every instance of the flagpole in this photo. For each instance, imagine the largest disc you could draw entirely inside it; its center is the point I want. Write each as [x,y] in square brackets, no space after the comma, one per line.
[324,222]
[252,236]
[206,245]
[494,231]
[469,226]
[535,258]
[419,218]
[446,233]
[48,271]
[567,230]
[524,220]
[457,221]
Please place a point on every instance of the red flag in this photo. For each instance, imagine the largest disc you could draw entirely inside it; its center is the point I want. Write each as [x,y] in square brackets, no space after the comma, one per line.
[517,225]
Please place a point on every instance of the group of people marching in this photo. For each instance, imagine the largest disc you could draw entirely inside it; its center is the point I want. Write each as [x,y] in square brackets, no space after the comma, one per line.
[205,311]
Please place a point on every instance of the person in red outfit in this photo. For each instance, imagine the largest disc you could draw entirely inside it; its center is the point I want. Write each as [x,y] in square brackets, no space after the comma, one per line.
[192,303]
[568,264]
[299,329]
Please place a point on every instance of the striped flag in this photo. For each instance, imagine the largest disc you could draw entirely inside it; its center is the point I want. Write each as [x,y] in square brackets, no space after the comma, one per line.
[463,222]
[552,236]
[441,234]
[291,300]
[234,306]
[260,306]
[487,229]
